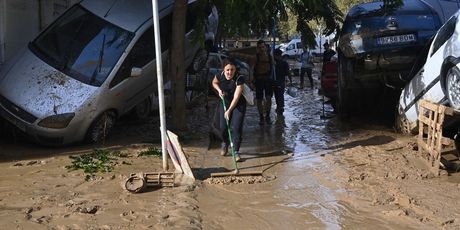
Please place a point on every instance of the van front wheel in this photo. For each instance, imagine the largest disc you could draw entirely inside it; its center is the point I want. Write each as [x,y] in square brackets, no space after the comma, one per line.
[101,127]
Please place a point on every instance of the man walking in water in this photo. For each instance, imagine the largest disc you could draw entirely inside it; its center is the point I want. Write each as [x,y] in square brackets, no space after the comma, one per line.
[307,67]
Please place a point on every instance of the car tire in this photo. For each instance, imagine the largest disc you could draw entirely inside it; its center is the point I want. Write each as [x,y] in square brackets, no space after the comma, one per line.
[452,89]
[199,61]
[143,109]
[101,127]
[343,93]
[402,124]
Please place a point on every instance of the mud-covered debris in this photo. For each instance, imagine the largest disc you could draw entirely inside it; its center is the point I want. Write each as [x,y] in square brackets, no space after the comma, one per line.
[88,210]
[32,162]
[239,179]
[42,219]
[447,222]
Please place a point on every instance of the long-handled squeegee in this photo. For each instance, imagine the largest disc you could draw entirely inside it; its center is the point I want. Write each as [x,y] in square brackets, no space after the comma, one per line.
[235,172]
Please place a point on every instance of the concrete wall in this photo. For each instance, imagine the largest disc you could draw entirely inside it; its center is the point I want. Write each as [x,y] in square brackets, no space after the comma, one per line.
[21,23]
[22,20]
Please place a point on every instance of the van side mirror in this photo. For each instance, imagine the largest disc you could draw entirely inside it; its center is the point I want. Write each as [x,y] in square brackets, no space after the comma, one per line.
[136,72]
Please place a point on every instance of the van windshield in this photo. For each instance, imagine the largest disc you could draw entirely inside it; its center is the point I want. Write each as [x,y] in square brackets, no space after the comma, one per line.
[82,45]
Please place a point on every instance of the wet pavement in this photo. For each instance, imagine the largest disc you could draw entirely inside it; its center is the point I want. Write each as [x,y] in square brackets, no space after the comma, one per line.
[288,149]
[303,194]
[291,149]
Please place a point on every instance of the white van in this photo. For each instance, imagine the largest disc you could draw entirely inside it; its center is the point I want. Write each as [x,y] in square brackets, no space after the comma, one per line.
[293,49]
[95,63]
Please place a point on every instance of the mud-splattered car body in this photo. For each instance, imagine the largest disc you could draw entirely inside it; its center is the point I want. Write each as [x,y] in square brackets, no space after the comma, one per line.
[438,80]
[95,63]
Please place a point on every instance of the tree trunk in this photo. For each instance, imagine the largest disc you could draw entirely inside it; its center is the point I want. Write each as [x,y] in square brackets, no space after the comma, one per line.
[177,68]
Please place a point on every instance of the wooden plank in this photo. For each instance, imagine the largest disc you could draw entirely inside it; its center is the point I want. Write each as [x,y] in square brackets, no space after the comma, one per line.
[172,152]
[182,160]
[449,111]
[446,141]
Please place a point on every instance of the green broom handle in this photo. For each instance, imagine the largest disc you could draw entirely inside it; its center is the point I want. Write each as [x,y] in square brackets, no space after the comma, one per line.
[229,135]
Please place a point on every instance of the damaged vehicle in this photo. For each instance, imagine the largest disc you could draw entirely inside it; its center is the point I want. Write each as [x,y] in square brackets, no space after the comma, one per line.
[95,63]
[377,49]
[437,81]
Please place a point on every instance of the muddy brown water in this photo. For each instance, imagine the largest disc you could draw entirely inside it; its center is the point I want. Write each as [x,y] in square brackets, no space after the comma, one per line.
[303,191]
[304,195]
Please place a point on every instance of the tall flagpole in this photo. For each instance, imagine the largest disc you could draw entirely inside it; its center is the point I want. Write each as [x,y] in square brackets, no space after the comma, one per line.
[156,34]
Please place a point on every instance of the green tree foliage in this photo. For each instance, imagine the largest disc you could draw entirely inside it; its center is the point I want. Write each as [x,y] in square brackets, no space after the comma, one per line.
[255,18]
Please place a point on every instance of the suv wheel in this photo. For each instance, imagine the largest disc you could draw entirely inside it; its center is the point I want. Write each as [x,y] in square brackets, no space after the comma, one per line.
[142,110]
[343,94]
[199,61]
[101,127]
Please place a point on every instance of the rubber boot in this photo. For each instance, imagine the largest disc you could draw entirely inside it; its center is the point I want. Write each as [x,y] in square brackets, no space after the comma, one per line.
[237,156]
[224,149]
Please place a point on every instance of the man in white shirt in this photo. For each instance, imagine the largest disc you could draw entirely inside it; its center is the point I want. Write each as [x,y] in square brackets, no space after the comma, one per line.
[307,67]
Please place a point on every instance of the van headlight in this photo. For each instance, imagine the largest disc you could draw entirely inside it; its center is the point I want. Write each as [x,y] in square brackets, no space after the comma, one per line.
[59,121]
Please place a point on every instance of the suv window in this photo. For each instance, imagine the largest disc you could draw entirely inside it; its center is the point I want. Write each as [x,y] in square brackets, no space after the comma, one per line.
[445,32]
[143,52]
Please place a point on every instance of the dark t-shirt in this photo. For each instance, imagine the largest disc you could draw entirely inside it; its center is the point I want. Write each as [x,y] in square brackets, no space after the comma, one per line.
[327,55]
[282,70]
[229,87]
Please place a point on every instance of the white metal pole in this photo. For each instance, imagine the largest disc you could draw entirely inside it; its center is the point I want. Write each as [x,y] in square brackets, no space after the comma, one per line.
[156,34]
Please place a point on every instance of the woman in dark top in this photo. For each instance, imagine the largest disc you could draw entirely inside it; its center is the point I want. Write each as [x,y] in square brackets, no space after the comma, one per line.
[229,84]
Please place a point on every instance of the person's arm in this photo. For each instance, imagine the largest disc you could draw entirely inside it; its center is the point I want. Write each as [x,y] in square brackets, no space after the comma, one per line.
[236,98]
[216,86]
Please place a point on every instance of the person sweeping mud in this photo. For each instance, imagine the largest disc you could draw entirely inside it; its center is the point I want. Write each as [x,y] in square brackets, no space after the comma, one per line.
[229,87]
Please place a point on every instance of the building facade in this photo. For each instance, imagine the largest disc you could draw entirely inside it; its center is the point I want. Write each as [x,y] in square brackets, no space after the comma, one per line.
[22,20]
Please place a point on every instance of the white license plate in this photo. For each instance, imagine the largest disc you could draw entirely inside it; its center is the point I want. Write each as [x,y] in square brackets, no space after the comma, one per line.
[396,39]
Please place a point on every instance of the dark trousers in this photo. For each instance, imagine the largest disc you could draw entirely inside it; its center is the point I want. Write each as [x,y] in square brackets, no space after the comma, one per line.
[236,124]
[302,73]
[279,97]
[264,88]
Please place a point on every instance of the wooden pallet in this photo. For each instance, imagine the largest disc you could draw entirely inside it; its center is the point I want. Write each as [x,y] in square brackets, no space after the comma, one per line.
[430,139]
[138,182]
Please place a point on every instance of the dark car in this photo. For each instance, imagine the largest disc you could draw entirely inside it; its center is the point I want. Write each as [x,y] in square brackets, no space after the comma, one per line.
[378,46]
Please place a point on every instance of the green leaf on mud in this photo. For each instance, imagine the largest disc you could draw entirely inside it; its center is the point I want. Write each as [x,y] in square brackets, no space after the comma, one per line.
[151,151]
[94,162]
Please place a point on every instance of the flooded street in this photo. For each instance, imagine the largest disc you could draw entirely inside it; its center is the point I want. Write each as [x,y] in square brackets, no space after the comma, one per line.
[304,193]
[319,173]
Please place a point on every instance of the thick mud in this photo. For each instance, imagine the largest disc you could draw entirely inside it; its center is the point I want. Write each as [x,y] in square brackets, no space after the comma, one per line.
[318,173]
